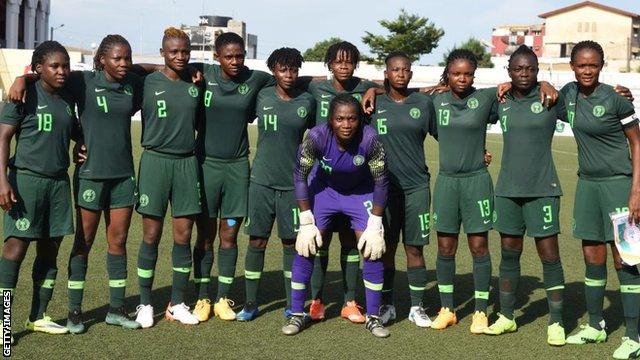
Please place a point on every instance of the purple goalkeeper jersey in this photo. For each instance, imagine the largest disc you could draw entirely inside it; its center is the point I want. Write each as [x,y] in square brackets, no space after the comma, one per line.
[359,168]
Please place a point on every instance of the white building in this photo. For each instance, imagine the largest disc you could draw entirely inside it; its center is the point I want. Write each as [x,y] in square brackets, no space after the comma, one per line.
[23,23]
[205,33]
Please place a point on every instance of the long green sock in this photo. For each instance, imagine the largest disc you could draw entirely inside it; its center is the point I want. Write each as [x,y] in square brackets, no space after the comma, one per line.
[226,270]
[77,270]
[181,259]
[288,252]
[117,269]
[350,264]
[253,266]
[202,264]
[481,281]
[553,276]
[388,276]
[9,271]
[595,281]
[147,258]
[44,275]
[630,295]
[445,271]
[319,273]
[509,278]
[417,284]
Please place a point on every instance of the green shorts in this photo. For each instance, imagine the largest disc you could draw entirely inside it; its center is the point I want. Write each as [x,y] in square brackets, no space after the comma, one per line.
[466,199]
[167,177]
[105,194]
[267,204]
[407,212]
[225,187]
[595,200]
[44,209]
[539,216]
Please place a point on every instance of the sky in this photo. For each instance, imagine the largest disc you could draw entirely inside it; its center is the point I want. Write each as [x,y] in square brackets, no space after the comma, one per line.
[293,23]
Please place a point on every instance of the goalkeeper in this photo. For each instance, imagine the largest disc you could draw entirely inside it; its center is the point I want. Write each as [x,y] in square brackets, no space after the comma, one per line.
[351,180]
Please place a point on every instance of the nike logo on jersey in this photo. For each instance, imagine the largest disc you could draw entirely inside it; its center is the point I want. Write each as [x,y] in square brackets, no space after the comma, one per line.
[571,103]
[324,96]
[100,90]
[159,92]
[265,108]
[546,227]
[325,158]
[296,230]
[444,104]
[212,84]
[486,221]
[382,111]
[42,107]
[424,235]
[506,108]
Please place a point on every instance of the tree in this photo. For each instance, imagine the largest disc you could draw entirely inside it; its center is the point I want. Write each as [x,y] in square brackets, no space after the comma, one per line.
[410,33]
[477,48]
[317,52]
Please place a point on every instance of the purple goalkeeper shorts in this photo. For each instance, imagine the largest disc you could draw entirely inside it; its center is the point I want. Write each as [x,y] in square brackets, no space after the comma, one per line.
[328,202]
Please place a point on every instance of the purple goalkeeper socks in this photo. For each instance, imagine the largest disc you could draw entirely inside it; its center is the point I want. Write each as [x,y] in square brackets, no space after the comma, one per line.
[301,271]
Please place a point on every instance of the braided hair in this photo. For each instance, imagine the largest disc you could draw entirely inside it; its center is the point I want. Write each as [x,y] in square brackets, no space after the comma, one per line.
[345,47]
[523,50]
[458,54]
[288,57]
[227,38]
[174,33]
[107,43]
[45,49]
[587,44]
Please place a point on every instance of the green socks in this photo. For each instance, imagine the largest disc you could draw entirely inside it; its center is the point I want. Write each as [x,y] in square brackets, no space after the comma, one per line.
[445,271]
[288,252]
[481,280]
[202,264]
[319,272]
[350,264]
[147,257]
[388,276]
[253,266]
[595,281]
[630,295]
[44,275]
[8,273]
[417,284]
[181,260]
[553,276]
[226,270]
[117,269]
[509,277]
[77,270]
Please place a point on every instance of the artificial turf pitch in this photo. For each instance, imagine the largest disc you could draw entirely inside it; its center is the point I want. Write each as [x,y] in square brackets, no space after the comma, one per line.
[335,337]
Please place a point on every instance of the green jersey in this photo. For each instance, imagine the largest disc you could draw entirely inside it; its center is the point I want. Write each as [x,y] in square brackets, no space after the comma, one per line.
[44,125]
[462,128]
[323,91]
[105,110]
[281,127]
[597,122]
[402,128]
[527,168]
[228,106]
[170,111]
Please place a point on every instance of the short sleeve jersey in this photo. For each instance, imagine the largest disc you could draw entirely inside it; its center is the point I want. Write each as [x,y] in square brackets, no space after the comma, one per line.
[359,168]
[281,127]
[597,122]
[228,106]
[527,168]
[169,114]
[402,128]
[105,110]
[45,123]
[324,91]
[462,128]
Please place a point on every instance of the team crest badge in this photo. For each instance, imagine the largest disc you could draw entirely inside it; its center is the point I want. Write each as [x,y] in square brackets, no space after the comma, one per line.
[302,111]
[536,107]
[144,200]
[243,88]
[193,91]
[598,110]
[358,160]
[357,96]
[127,89]
[414,113]
[89,195]
[23,224]
[559,127]
[472,103]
